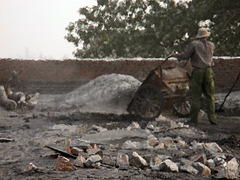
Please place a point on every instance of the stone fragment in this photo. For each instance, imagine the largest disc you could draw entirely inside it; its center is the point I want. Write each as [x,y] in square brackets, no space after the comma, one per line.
[132,126]
[63,164]
[168,141]
[95,151]
[152,141]
[122,161]
[92,159]
[75,151]
[188,169]
[202,169]
[68,146]
[155,163]
[212,148]
[196,145]
[30,167]
[79,162]
[180,143]
[109,160]
[80,143]
[137,161]
[199,158]
[160,146]
[168,166]
[230,171]
[210,163]
[150,127]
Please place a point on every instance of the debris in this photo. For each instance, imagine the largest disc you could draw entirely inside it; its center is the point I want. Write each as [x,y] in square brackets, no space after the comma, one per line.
[132,126]
[122,161]
[92,160]
[168,166]
[81,143]
[137,161]
[230,171]
[202,169]
[30,167]
[212,147]
[80,161]
[63,164]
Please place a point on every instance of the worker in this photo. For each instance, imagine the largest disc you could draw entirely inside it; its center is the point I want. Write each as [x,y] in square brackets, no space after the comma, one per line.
[200,52]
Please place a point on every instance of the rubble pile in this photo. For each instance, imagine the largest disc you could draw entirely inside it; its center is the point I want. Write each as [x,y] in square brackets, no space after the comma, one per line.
[105,94]
[150,148]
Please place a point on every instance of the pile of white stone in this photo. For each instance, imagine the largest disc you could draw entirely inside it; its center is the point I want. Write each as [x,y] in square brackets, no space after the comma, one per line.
[105,94]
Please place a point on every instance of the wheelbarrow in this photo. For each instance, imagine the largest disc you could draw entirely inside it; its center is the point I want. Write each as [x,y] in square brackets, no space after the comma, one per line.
[163,89]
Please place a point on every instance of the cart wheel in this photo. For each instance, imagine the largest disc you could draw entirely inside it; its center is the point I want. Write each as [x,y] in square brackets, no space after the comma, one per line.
[148,102]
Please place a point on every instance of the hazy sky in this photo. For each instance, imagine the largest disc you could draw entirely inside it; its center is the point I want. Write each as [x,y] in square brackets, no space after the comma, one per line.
[35,29]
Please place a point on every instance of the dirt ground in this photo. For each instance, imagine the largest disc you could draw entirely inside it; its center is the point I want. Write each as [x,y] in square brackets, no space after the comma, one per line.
[33,130]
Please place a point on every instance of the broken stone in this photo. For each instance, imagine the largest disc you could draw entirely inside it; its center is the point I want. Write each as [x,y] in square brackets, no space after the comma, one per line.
[131,145]
[122,161]
[30,167]
[168,142]
[219,161]
[137,161]
[150,127]
[80,161]
[152,141]
[168,166]
[68,150]
[196,145]
[230,171]
[63,164]
[210,163]
[212,148]
[180,143]
[160,146]
[92,159]
[134,125]
[199,158]
[155,163]
[188,169]
[75,151]
[202,169]
[108,160]
[95,151]
[80,143]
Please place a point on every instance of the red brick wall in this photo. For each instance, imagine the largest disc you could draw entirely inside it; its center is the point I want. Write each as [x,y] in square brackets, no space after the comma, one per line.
[65,75]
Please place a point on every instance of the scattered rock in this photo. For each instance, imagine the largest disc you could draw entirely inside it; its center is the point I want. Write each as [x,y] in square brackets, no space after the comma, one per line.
[132,126]
[80,161]
[212,148]
[122,161]
[137,161]
[202,169]
[63,164]
[168,166]
[80,143]
[92,159]
[230,171]
[199,158]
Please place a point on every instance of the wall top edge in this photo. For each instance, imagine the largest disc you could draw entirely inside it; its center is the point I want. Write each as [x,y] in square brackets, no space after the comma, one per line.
[115,59]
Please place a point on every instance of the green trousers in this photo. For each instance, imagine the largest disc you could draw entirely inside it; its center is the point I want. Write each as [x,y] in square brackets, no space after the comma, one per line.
[202,82]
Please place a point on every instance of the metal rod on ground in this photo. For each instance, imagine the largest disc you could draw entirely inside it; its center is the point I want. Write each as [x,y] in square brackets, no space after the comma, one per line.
[220,109]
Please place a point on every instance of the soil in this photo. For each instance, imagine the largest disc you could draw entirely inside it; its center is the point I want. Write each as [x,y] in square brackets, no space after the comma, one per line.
[31,131]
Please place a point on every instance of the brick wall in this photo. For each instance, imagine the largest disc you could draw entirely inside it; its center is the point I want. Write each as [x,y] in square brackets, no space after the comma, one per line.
[53,76]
